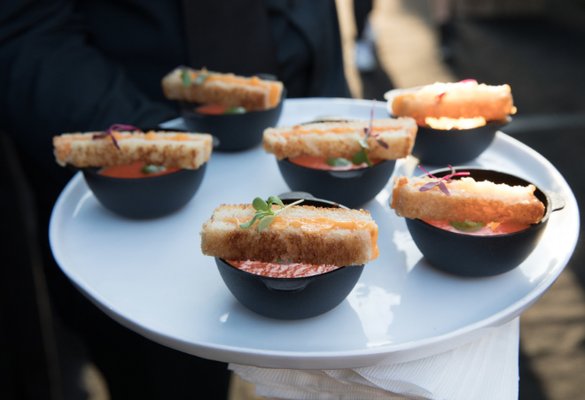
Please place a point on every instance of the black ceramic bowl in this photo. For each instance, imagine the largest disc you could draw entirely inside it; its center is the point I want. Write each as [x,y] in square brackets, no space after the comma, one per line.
[351,188]
[479,256]
[291,298]
[148,197]
[454,146]
[233,132]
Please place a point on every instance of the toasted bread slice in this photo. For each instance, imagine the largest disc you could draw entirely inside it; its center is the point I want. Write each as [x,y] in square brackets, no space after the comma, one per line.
[341,139]
[304,234]
[468,200]
[465,99]
[171,149]
[207,87]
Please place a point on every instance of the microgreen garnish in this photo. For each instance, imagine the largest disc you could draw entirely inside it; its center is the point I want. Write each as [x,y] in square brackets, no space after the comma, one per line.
[201,77]
[111,129]
[186,77]
[338,162]
[440,182]
[152,169]
[362,155]
[467,226]
[235,110]
[264,212]
[370,131]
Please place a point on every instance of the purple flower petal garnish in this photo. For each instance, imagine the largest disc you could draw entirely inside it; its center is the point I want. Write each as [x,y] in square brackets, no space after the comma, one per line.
[123,127]
[382,143]
[427,173]
[443,188]
[112,128]
[441,182]
[371,127]
[428,186]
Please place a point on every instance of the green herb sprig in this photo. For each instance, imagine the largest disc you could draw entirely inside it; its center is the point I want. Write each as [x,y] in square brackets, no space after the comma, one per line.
[235,110]
[148,169]
[199,79]
[264,212]
[185,77]
[467,226]
[114,128]
[338,162]
[203,75]
[361,156]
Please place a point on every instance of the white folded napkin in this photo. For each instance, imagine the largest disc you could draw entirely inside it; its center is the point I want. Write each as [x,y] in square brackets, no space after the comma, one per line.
[486,368]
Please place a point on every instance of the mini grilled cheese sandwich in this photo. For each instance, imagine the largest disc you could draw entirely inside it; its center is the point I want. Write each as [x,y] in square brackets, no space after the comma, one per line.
[342,139]
[97,149]
[468,200]
[226,89]
[303,234]
[465,99]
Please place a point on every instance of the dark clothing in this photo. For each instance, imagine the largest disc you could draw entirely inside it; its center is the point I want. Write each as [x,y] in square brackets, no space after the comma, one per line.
[361,11]
[83,65]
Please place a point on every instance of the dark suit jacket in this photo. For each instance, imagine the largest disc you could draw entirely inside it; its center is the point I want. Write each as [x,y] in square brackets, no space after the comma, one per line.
[82,65]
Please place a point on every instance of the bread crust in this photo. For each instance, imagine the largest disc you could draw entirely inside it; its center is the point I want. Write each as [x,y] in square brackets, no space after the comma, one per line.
[341,139]
[469,200]
[465,99]
[298,234]
[229,90]
[171,149]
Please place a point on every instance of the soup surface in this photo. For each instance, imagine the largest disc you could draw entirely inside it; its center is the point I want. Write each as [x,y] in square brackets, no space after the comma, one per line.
[277,270]
[218,109]
[479,229]
[322,163]
[136,170]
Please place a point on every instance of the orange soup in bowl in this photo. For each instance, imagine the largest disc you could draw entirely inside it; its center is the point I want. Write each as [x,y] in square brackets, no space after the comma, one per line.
[478,228]
[328,164]
[136,170]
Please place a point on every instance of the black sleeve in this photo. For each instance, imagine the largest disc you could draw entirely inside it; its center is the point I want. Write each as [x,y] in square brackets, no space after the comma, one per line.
[308,48]
[52,80]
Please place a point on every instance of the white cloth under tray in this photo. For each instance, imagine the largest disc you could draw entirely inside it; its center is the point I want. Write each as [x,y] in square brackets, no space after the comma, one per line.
[486,368]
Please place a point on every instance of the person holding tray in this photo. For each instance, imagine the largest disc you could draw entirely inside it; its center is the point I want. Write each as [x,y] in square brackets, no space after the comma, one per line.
[80,66]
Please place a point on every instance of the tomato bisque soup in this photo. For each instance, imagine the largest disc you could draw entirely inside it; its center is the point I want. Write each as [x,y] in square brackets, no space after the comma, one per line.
[322,164]
[218,109]
[282,270]
[479,229]
[136,170]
